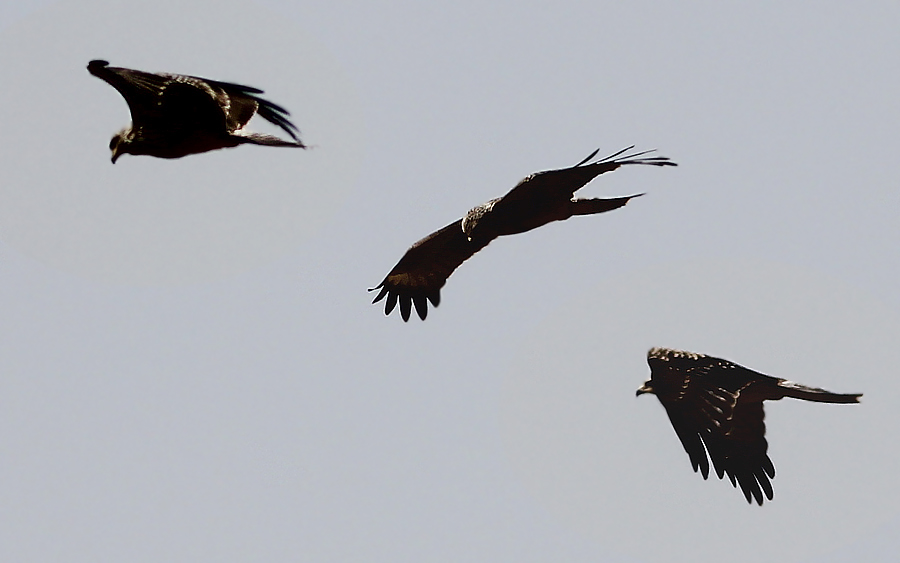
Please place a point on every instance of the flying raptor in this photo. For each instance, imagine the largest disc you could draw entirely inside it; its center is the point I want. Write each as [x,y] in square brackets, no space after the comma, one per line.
[718,404]
[541,198]
[174,115]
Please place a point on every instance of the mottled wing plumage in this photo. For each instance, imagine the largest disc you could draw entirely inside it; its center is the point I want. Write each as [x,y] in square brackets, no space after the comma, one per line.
[706,407]
[419,276]
[716,408]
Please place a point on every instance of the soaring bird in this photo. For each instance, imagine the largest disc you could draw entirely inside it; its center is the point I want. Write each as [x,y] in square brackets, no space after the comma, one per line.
[175,115]
[719,404]
[541,198]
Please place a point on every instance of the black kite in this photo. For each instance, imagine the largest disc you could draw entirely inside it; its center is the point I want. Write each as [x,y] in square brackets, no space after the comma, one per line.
[719,404]
[175,115]
[541,198]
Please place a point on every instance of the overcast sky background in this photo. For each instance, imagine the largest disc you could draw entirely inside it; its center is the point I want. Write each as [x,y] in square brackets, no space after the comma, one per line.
[192,371]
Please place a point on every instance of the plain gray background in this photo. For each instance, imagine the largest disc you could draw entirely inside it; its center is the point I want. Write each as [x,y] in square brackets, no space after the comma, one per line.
[192,371]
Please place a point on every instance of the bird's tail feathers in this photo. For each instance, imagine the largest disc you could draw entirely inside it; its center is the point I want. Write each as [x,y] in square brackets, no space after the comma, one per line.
[582,206]
[268,140]
[798,391]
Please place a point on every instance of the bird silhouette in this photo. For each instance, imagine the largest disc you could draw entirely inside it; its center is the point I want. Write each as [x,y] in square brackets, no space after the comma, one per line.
[718,404]
[174,115]
[541,198]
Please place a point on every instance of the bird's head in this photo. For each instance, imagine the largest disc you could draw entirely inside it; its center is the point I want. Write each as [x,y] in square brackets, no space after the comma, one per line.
[647,387]
[118,145]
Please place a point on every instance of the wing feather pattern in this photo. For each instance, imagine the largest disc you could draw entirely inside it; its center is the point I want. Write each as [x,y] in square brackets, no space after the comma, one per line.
[270,111]
[419,276]
[141,90]
[718,405]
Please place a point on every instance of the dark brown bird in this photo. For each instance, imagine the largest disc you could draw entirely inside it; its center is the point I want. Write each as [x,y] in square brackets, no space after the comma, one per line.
[541,198]
[719,404]
[174,115]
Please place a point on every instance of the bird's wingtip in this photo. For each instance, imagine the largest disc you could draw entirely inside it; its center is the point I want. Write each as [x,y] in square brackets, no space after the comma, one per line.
[590,156]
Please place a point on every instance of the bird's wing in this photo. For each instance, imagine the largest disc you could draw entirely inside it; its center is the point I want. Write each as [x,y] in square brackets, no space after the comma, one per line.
[736,441]
[551,185]
[191,105]
[164,101]
[243,104]
[720,404]
[688,431]
[141,90]
[419,276]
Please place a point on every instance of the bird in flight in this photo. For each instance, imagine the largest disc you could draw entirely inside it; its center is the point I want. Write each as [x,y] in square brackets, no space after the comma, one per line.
[719,404]
[174,115]
[541,198]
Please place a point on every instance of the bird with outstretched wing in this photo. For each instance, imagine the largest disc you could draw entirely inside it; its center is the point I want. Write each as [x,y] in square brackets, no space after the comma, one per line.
[174,115]
[718,404]
[541,198]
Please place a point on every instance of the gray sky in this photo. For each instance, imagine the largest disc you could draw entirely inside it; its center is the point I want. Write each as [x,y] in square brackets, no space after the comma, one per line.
[192,371]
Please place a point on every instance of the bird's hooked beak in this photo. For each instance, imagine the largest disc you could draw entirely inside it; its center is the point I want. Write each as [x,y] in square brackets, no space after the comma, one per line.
[118,145]
[645,388]
[116,151]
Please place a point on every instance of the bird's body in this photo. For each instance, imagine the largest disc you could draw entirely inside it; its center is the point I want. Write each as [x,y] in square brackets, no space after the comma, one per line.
[716,407]
[539,199]
[175,115]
